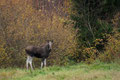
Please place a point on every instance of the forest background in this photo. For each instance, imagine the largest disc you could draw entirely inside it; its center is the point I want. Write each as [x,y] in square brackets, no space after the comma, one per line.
[82,30]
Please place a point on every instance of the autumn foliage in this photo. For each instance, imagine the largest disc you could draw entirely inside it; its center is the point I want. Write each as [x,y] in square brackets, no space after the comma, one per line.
[80,31]
[21,25]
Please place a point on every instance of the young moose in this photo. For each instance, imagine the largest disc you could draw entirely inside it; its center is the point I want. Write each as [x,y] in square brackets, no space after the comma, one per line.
[38,52]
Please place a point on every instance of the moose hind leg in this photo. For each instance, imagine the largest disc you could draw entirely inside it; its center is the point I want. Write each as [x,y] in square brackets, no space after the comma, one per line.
[29,61]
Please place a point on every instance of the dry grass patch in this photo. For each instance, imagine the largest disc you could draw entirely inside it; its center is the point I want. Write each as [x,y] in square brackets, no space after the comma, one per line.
[11,74]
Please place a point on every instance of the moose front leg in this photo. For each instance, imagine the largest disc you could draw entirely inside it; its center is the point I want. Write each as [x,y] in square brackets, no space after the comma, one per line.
[44,62]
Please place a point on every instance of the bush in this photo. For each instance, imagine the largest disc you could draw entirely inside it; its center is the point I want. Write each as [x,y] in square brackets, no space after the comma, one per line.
[111,49]
[22,25]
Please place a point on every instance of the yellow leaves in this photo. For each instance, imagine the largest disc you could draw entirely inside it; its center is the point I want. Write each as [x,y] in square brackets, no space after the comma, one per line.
[3,55]
[116,20]
[3,2]
[49,0]
[61,19]
[15,1]
[112,50]
[99,42]
[89,54]
[53,1]
[40,10]
[28,26]
[38,26]
[42,14]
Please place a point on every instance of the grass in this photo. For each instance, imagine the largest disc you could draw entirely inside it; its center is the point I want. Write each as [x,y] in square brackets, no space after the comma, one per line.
[97,71]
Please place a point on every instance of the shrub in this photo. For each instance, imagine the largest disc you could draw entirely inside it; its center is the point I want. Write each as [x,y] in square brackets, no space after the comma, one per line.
[111,49]
[22,25]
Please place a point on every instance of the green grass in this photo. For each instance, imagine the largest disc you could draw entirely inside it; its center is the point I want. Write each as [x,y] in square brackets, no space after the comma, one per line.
[97,71]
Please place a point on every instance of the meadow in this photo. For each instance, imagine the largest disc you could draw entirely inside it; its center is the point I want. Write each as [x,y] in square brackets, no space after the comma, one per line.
[81,71]
[82,31]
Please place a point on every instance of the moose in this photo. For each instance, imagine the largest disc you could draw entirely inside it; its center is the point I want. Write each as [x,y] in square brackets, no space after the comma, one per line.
[42,52]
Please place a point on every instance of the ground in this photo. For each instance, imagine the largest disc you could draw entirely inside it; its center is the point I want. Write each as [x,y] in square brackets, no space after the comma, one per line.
[96,71]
